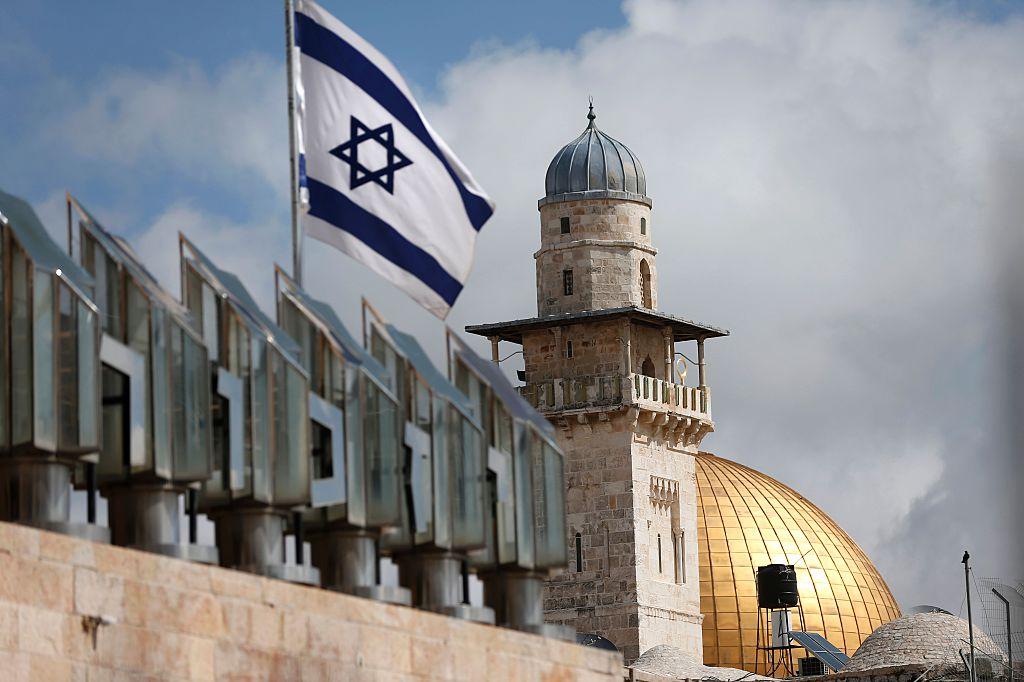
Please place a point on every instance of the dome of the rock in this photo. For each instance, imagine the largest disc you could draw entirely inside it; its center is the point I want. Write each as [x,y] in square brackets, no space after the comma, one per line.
[746,519]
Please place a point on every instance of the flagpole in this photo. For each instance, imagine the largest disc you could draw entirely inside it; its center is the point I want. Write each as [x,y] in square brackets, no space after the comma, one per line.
[289,24]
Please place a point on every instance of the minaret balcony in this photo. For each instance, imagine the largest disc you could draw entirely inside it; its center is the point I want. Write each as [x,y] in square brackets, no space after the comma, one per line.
[680,412]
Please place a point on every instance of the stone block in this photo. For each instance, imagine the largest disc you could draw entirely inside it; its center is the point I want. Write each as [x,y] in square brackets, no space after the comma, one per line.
[264,626]
[41,631]
[49,669]
[8,627]
[294,632]
[97,594]
[40,583]
[66,550]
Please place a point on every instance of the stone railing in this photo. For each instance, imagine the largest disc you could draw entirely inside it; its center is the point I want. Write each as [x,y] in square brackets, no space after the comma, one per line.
[656,394]
[575,393]
[635,390]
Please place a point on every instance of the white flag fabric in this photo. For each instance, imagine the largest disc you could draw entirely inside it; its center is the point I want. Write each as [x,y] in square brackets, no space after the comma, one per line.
[382,186]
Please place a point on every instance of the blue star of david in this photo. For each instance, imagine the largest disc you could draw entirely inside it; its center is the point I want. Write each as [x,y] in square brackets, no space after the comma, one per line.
[359,174]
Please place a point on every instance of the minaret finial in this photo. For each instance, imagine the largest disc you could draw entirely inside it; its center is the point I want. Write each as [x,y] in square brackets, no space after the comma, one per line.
[591,115]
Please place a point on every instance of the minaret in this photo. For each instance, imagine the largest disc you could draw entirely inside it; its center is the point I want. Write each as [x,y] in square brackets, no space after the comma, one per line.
[601,364]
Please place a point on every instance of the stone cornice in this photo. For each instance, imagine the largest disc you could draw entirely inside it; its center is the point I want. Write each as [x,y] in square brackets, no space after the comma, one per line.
[614,243]
[672,614]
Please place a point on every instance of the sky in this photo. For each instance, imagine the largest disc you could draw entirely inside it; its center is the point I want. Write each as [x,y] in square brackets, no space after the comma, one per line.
[836,183]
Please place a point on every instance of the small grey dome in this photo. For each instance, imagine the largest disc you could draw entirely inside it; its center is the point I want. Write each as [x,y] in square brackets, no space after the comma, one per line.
[595,161]
[921,639]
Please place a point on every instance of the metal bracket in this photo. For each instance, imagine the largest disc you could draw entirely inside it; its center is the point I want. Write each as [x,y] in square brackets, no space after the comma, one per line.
[332,490]
[230,387]
[132,364]
[418,441]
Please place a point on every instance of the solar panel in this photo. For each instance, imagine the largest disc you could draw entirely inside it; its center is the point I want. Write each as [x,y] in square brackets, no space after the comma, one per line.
[821,648]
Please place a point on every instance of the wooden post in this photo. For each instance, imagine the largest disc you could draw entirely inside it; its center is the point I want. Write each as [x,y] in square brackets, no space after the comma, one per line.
[701,369]
[669,353]
[494,349]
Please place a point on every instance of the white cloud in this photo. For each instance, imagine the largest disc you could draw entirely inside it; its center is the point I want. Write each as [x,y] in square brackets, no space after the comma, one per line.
[822,176]
[819,174]
[229,126]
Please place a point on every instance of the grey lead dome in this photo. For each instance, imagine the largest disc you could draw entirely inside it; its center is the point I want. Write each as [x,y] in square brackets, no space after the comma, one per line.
[592,162]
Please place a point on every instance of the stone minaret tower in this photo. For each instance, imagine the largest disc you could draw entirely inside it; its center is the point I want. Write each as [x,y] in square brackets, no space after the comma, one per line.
[601,364]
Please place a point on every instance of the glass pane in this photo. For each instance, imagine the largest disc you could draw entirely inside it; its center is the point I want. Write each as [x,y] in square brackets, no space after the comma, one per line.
[89,255]
[258,455]
[299,328]
[21,348]
[502,491]
[472,388]
[194,462]
[211,334]
[524,495]
[551,550]
[194,295]
[385,355]
[159,389]
[383,457]
[111,301]
[67,368]
[44,403]
[468,521]
[137,338]
[441,460]
[178,405]
[5,387]
[291,429]
[505,509]
[88,391]
[335,390]
[355,412]
[421,405]
[502,429]
[247,350]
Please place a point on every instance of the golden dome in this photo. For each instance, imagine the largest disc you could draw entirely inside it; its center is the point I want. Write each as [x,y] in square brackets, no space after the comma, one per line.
[746,519]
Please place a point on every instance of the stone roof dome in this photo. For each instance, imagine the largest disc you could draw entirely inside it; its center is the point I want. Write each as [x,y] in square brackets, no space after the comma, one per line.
[747,519]
[595,162]
[928,639]
[671,662]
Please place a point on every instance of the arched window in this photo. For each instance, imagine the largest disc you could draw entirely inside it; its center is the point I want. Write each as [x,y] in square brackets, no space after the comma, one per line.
[568,348]
[647,367]
[660,570]
[579,553]
[643,226]
[645,283]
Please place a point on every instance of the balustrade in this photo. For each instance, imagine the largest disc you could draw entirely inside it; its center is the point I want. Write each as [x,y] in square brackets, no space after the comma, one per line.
[608,390]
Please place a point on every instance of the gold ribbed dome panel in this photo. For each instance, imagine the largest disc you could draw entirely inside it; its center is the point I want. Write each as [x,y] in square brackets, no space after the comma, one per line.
[746,519]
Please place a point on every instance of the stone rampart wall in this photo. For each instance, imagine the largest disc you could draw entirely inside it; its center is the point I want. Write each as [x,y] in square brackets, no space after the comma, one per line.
[75,610]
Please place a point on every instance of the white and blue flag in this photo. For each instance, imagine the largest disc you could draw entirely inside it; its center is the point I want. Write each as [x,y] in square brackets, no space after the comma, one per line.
[380,184]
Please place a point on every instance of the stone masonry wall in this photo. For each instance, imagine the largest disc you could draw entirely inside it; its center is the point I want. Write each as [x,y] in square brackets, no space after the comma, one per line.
[669,611]
[618,591]
[76,610]
[599,596]
[597,350]
[604,250]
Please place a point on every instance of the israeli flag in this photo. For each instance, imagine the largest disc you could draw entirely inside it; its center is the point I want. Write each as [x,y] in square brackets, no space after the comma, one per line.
[380,184]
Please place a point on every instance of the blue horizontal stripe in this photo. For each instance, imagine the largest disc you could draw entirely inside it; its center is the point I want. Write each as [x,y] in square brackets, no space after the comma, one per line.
[331,206]
[330,49]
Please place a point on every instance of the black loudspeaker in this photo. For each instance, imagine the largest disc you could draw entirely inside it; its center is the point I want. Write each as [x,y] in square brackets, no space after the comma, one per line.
[776,587]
